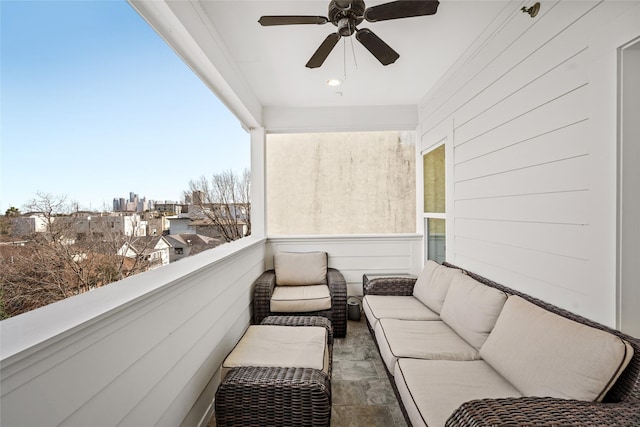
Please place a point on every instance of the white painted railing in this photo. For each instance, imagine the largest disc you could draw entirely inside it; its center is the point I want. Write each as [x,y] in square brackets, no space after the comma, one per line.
[147,350]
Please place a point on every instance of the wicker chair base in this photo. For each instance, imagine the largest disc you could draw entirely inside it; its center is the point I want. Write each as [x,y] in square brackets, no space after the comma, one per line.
[254,396]
[277,396]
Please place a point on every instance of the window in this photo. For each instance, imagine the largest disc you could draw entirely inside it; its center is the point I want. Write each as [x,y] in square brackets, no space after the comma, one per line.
[179,251]
[433,163]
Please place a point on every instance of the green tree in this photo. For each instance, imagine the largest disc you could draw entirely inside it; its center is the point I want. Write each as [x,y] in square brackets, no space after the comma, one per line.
[12,212]
[5,221]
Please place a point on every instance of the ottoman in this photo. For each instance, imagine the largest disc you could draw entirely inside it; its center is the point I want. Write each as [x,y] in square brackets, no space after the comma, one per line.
[279,373]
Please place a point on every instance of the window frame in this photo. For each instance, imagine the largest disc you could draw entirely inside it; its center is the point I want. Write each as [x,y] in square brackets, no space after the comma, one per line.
[426,216]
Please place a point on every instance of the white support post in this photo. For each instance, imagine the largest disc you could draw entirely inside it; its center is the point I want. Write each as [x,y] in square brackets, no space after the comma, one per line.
[258,182]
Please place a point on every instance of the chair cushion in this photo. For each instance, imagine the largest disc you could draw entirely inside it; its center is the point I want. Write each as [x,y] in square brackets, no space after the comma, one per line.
[300,268]
[433,284]
[395,307]
[280,346]
[300,299]
[420,339]
[544,354]
[471,309]
[432,389]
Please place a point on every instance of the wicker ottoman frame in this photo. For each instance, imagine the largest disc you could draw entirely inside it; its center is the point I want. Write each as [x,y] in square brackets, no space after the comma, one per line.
[282,396]
[621,405]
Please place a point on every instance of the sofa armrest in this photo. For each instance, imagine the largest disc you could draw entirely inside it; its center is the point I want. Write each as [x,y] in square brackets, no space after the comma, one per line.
[400,286]
[544,411]
[263,289]
[338,290]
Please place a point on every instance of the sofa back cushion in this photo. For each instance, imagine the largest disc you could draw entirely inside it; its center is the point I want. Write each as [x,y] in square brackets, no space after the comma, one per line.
[433,283]
[300,268]
[544,354]
[471,309]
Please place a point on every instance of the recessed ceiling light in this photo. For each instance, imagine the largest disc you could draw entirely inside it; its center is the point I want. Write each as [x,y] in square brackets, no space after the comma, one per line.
[334,82]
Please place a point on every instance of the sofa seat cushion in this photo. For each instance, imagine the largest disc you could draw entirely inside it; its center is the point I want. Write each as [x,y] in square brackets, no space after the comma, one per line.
[395,307]
[300,299]
[300,268]
[544,354]
[433,283]
[431,390]
[419,339]
[280,346]
[471,309]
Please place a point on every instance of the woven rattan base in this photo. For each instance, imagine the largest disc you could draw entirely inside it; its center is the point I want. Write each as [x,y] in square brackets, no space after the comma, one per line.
[277,396]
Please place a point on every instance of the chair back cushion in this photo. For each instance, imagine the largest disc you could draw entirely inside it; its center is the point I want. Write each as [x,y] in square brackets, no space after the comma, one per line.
[471,309]
[301,268]
[544,354]
[433,284]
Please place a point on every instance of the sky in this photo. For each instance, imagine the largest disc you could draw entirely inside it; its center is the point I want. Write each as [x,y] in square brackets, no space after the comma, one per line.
[94,105]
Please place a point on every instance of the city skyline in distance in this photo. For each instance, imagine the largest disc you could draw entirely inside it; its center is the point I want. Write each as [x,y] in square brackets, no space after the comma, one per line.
[94,101]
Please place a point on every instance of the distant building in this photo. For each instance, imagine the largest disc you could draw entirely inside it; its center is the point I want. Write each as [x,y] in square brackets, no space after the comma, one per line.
[181,225]
[133,204]
[204,226]
[29,223]
[127,225]
[169,208]
[153,249]
[184,245]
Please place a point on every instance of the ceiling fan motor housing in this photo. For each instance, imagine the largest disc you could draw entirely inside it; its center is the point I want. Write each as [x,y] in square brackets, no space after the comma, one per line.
[346,15]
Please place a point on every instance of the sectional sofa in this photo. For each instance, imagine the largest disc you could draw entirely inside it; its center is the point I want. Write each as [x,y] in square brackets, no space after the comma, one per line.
[462,350]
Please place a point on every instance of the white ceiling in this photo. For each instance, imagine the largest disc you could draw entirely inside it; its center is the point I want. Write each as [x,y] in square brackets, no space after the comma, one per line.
[271,60]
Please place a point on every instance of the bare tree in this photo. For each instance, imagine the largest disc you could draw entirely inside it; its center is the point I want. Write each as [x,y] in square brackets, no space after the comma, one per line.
[64,260]
[225,202]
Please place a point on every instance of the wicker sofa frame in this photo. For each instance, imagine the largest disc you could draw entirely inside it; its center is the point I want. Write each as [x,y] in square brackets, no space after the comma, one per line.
[620,407]
[337,314]
[277,396]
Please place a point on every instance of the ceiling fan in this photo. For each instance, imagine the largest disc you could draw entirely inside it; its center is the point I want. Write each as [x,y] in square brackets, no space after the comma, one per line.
[346,15]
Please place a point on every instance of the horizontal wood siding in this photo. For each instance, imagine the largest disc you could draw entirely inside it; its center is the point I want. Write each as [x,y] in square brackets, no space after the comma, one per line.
[527,109]
[146,362]
[356,255]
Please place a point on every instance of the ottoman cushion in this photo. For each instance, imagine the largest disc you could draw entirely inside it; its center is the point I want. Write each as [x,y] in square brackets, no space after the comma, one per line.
[280,346]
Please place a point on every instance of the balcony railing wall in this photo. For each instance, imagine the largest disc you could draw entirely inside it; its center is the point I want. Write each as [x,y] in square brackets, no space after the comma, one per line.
[147,350]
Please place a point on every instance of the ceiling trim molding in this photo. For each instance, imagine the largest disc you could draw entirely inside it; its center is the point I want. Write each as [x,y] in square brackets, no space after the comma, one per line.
[340,119]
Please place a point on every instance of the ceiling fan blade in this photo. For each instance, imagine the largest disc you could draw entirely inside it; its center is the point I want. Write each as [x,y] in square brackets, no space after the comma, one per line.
[401,9]
[268,21]
[318,58]
[377,47]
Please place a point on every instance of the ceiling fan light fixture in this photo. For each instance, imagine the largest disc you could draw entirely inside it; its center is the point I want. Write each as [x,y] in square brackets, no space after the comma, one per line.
[346,15]
[334,82]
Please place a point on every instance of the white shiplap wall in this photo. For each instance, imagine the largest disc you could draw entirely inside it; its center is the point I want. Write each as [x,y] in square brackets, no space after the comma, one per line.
[531,113]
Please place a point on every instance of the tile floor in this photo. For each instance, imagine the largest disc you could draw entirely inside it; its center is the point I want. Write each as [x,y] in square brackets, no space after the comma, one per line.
[361,393]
